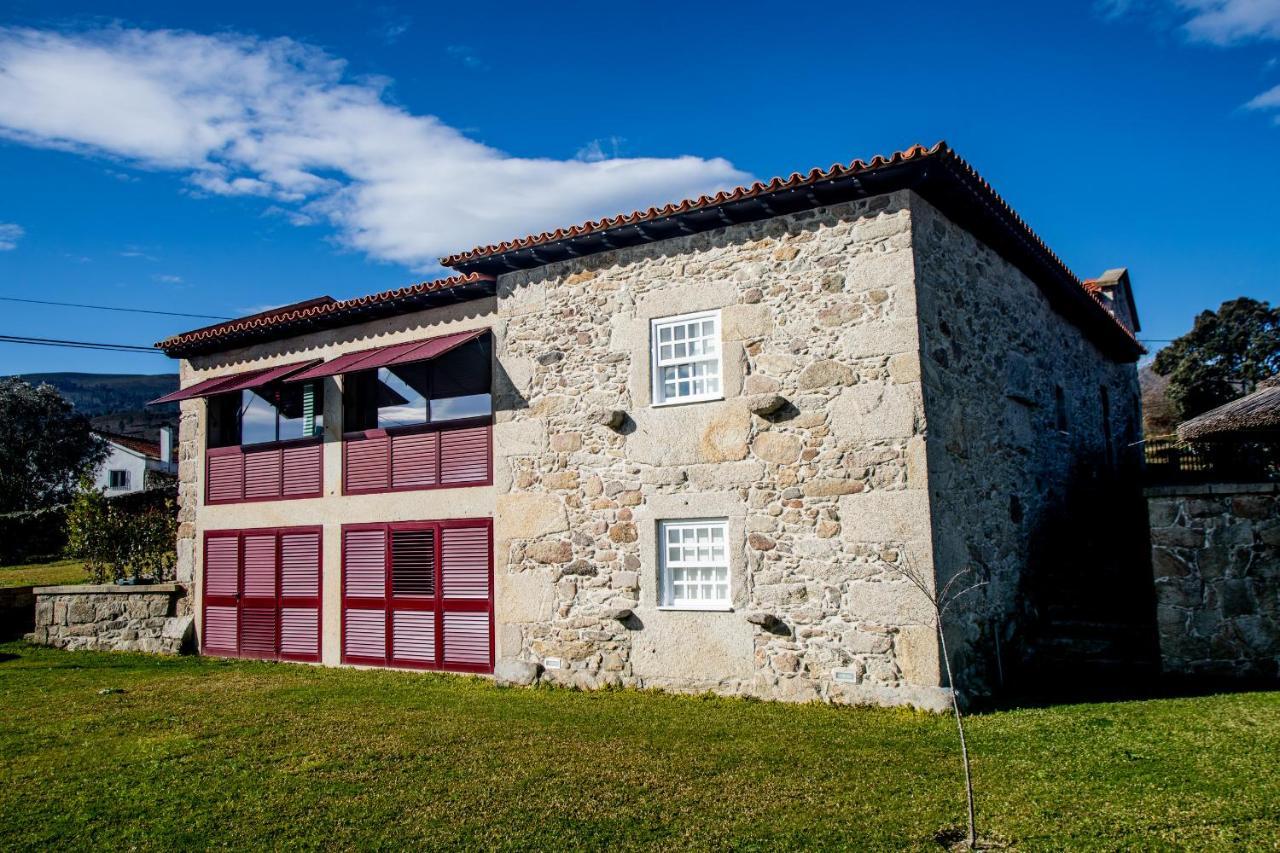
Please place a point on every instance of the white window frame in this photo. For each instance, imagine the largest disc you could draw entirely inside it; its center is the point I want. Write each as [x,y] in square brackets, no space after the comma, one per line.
[666,586]
[656,364]
[124,477]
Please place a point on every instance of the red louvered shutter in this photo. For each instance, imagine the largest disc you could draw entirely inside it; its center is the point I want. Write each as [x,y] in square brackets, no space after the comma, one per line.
[258,604]
[300,595]
[466,572]
[301,474]
[419,594]
[364,595]
[413,595]
[415,460]
[367,464]
[224,475]
[262,473]
[465,455]
[221,593]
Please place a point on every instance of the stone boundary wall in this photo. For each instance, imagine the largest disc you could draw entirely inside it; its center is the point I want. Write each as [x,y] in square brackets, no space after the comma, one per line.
[107,617]
[17,609]
[1215,557]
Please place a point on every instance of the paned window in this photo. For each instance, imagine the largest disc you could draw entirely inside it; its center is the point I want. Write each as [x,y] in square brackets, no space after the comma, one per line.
[686,358]
[277,412]
[694,560]
[118,479]
[453,386]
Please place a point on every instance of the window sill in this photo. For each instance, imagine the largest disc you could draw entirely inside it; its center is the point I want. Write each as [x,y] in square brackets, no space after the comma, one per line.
[684,401]
[692,608]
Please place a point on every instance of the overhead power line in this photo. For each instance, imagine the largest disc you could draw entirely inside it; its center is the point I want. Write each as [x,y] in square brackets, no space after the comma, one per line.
[56,342]
[114,308]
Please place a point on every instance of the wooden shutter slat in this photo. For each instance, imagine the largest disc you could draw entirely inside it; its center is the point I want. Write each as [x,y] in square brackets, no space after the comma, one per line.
[300,632]
[221,628]
[466,638]
[258,631]
[225,474]
[364,563]
[415,459]
[364,634]
[464,455]
[464,562]
[301,474]
[222,565]
[262,473]
[260,566]
[413,562]
[413,636]
[300,565]
[366,467]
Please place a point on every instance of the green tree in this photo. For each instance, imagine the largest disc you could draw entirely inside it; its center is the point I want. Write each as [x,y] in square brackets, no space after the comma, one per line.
[44,446]
[116,541]
[1225,355]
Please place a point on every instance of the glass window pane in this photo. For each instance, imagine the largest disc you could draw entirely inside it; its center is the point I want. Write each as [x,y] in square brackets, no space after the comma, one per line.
[257,418]
[402,394]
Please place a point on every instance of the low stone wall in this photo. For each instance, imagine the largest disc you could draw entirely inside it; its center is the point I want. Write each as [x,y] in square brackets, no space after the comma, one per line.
[17,609]
[155,618]
[1216,562]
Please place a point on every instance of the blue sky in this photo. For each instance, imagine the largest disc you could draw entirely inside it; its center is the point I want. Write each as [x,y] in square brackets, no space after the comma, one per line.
[222,158]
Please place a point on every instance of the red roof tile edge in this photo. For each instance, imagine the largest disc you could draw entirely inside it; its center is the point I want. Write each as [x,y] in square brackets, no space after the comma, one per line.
[939,150]
[313,309]
[140,445]
[795,179]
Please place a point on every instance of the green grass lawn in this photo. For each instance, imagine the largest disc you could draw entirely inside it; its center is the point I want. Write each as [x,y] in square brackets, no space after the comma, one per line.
[43,574]
[121,751]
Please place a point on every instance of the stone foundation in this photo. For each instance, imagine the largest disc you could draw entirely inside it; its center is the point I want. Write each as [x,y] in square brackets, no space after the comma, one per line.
[153,618]
[1215,557]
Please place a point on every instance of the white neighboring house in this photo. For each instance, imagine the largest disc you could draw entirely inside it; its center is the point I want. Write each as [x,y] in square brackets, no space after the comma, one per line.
[126,466]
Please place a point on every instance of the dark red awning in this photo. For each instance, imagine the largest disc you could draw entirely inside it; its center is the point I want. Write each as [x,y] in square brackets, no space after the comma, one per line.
[371,359]
[235,382]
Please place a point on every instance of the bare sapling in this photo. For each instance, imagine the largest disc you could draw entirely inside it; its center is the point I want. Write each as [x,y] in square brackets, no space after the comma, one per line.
[940,602]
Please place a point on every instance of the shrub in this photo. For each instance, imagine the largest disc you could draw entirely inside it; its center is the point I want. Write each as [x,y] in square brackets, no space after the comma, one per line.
[117,540]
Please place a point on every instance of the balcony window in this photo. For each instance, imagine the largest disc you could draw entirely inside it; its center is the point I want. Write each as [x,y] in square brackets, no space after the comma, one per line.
[452,386]
[271,413]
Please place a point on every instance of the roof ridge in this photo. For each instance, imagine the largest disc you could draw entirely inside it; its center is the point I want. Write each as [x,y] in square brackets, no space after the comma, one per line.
[756,188]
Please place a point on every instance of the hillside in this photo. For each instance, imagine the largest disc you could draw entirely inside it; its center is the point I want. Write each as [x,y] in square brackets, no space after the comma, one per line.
[117,402]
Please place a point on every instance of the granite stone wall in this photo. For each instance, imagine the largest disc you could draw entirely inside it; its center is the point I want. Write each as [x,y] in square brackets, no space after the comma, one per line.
[821,495]
[1030,471]
[107,617]
[1215,558]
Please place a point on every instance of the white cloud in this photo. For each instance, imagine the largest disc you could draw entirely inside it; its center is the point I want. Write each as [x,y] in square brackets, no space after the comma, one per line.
[1219,22]
[10,234]
[1226,22]
[238,115]
[168,279]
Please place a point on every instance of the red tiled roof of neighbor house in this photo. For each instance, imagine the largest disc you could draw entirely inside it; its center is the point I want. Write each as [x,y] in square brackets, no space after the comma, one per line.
[138,445]
[323,312]
[937,173]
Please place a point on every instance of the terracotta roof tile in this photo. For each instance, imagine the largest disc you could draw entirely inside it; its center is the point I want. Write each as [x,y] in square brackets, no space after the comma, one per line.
[132,442]
[302,312]
[795,179]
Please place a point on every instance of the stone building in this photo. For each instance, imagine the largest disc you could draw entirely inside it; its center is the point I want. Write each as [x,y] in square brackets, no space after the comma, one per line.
[692,448]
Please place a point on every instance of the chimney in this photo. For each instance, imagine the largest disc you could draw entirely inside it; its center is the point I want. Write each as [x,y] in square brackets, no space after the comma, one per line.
[166,445]
[1117,296]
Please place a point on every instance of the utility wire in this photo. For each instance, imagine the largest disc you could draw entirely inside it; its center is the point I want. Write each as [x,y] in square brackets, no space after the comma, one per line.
[114,308]
[56,342]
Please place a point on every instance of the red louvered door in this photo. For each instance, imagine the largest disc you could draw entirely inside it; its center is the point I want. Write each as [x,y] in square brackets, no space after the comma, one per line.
[222,594]
[300,595]
[262,593]
[419,594]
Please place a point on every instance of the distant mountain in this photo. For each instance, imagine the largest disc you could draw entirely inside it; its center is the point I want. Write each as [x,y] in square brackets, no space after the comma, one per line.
[117,402]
